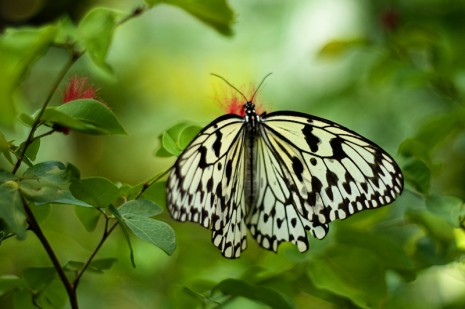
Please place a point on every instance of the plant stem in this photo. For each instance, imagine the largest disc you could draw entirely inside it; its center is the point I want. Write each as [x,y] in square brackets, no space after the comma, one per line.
[106,233]
[35,125]
[34,226]
[147,184]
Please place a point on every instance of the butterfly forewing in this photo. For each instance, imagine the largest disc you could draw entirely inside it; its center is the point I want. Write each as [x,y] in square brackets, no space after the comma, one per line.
[206,184]
[333,171]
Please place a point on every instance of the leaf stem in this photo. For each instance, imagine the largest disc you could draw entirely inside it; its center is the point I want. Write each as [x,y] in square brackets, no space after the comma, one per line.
[106,232]
[35,227]
[150,182]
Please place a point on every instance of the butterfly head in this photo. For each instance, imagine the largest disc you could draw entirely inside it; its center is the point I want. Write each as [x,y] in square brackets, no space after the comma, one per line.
[247,109]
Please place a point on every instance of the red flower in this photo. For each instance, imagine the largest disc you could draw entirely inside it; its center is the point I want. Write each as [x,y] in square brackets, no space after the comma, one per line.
[78,88]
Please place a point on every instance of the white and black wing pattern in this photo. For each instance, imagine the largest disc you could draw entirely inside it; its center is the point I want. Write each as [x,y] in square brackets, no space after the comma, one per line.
[274,216]
[330,171]
[282,174]
[206,184]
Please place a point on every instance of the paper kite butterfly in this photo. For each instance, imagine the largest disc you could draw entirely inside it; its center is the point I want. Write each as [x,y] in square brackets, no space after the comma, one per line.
[280,174]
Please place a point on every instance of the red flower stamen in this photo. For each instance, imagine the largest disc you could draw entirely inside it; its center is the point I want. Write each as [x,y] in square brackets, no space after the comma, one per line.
[78,88]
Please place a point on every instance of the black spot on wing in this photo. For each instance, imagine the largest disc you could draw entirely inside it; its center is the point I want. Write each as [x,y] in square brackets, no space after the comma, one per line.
[336,146]
[312,139]
[228,171]
[331,178]
[297,167]
[217,144]
[203,157]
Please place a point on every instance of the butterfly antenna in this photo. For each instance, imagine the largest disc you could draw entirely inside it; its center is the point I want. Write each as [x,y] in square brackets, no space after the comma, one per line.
[231,85]
[261,83]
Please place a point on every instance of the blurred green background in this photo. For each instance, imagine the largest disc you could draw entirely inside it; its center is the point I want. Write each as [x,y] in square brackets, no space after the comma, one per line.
[390,70]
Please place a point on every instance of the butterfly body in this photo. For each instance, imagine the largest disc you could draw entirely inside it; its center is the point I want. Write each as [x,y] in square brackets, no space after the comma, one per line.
[280,175]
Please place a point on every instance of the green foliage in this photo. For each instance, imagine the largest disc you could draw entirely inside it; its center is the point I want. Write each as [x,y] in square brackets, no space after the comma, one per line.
[96,191]
[268,296]
[403,64]
[11,211]
[215,13]
[136,215]
[48,182]
[95,33]
[86,116]
[19,49]
[175,139]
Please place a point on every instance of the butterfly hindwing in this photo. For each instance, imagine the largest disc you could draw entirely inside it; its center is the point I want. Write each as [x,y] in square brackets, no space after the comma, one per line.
[332,171]
[274,217]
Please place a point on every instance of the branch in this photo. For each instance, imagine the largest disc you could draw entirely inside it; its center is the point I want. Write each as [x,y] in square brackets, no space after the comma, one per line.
[34,226]
[147,184]
[106,233]
[35,125]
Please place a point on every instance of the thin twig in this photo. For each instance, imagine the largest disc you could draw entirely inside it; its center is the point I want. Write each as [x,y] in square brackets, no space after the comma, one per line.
[35,227]
[106,233]
[147,184]
[35,125]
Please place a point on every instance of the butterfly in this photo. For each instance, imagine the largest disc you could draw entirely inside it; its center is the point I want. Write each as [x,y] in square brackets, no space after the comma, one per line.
[282,175]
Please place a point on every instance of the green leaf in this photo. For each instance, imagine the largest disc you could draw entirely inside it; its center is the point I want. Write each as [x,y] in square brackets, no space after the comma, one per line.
[135,217]
[175,139]
[33,149]
[157,193]
[266,295]
[413,148]
[26,119]
[86,116]
[52,296]
[187,135]
[170,145]
[88,217]
[23,299]
[337,48]
[215,13]
[11,205]
[96,266]
[10,282]
[5,147]
[438,246]
[124,228]
[418,174]
[38,277]
[450,208]
[139,208]
[96,191]
[437,227]
[48,182]
[99,265]
[95,33]
[351,272]
[389,253]
[19,49]
[67,31]
[154,231]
